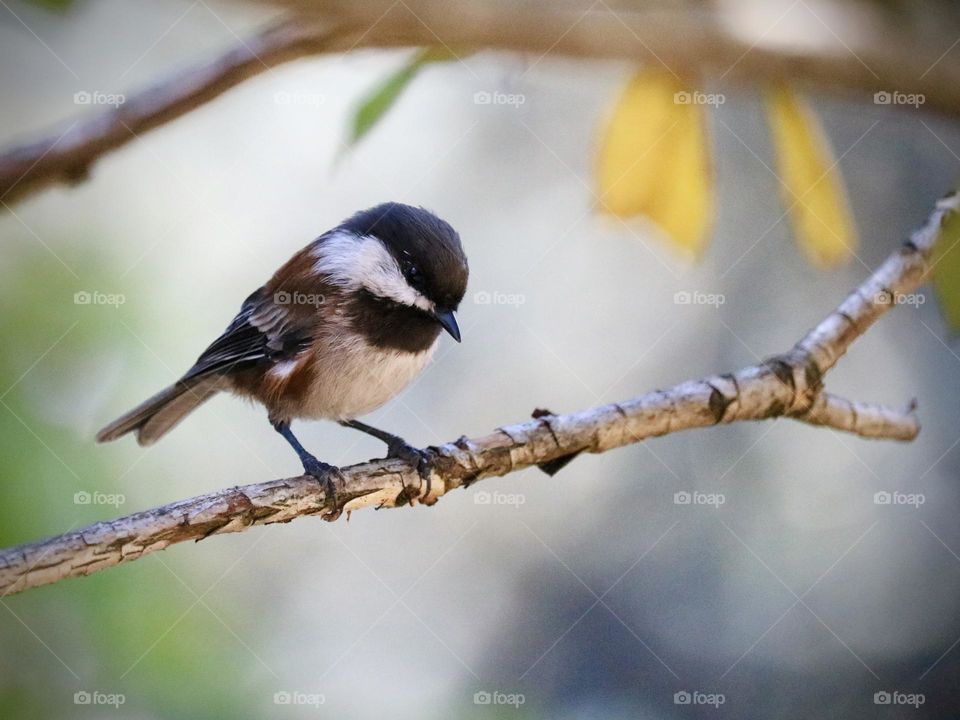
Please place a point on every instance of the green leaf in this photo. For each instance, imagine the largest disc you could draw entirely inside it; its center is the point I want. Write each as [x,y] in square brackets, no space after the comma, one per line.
[946,271]
[372,109]
[55,5]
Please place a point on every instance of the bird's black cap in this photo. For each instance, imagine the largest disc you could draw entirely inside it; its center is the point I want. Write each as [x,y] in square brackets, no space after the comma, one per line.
[426,248]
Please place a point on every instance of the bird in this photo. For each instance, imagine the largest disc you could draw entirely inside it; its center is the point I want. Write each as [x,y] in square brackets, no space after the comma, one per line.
[340,329]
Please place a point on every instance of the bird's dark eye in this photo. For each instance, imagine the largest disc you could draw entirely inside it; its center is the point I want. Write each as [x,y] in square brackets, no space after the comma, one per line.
[414,276]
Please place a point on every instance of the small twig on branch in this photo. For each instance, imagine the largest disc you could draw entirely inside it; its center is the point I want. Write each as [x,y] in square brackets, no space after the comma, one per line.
[789,385]
[687,42]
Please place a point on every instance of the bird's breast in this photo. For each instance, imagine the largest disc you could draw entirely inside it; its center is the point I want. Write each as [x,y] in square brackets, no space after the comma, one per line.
[349,379]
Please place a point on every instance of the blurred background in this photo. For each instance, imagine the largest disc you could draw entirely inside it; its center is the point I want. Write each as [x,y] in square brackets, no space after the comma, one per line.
[594,593]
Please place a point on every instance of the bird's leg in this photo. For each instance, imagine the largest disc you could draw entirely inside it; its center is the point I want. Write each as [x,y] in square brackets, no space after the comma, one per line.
[323,472]
[398,448]
[396,445]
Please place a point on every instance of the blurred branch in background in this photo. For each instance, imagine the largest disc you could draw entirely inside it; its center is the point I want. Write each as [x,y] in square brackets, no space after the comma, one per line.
[789,385]
[67,156]
[860,49]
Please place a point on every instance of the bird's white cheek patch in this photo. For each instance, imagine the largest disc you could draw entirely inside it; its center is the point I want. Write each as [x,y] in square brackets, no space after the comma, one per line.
[353,262]
[424,304]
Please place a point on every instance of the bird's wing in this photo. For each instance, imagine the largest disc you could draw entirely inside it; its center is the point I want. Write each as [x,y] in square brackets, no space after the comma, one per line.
[263,330]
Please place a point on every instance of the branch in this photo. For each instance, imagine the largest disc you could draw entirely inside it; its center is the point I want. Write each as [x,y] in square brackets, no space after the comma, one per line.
[877,58]
[68,155]
[788,385]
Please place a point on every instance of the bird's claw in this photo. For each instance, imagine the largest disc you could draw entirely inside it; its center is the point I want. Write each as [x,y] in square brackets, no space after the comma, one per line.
[328,476]
[420,459]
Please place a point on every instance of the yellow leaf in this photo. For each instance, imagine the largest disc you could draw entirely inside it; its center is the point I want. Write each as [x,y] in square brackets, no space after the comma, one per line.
[811,187]
[683,203]
[633,143]
[654,158]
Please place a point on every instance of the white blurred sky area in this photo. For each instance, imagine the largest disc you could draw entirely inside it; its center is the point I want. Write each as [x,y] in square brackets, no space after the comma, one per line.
[592,593]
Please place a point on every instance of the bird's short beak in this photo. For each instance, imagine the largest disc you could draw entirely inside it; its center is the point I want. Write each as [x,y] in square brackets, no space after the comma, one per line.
[448,321]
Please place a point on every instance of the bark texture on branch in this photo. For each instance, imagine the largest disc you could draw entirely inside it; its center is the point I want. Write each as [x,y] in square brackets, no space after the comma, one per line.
[788,385]
[858,55]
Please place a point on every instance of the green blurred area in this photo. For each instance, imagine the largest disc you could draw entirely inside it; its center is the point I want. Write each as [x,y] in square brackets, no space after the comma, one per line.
[128,624]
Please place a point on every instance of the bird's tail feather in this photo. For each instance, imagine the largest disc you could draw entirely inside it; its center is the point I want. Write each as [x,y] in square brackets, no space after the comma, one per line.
[156,416]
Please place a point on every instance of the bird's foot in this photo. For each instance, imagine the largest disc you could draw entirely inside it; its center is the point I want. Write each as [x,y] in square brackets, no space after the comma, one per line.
[420,459]
[328,476]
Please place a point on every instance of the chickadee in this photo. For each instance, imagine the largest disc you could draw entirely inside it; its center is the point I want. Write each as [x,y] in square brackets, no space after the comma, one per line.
[337,331]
